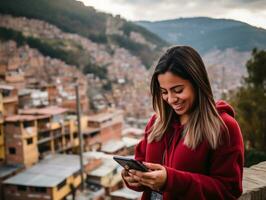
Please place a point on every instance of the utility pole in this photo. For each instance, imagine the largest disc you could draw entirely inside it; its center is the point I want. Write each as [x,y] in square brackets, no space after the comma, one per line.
[223,83]
[80,135]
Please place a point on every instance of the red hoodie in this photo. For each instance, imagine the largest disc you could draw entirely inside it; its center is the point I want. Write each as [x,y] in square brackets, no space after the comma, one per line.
[199,174]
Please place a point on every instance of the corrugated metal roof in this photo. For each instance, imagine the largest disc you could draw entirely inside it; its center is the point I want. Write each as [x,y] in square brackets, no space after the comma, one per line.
[112,146]
[34,180]
[47,173]
[101,117]
[15,118]
[107,167]
[6,87]
[8,169]
[135,131]
[89,131]
[129,142]
[97,155]
[53,170]
[24,91]
[51,110]
[126,193]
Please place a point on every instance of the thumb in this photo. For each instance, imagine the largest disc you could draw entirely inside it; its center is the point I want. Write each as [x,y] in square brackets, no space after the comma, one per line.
[153,166]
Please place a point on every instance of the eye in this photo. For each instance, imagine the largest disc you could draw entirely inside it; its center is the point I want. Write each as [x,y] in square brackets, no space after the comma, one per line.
[178,91]
[163,92]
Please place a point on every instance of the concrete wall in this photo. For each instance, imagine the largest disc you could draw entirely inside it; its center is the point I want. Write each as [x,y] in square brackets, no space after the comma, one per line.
[254,182]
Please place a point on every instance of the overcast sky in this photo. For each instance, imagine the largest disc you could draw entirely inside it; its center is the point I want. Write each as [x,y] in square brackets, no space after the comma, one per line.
[250,11]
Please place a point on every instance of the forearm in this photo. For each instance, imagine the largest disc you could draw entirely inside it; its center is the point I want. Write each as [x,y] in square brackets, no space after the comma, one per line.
[189,184]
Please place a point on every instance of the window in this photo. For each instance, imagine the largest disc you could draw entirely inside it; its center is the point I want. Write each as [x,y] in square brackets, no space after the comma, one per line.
[17,124]
[93,124]
[29,141]
[27,124]
[58,118]
[6,93]
[12,150]
[22,188]
[93,134]
[40,189]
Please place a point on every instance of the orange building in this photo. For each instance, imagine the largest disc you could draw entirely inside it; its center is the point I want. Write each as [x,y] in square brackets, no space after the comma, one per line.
[56,132]
[101,128]
[21,140]
[10,100]
[11,73]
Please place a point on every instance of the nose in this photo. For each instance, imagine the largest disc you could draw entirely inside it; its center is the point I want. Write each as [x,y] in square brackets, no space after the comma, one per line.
[171,98]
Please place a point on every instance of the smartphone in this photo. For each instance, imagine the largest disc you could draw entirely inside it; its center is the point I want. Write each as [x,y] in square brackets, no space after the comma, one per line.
[131,163]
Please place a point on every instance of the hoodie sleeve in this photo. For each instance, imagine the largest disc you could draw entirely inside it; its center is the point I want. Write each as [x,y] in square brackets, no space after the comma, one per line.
[140,151]
[224,181]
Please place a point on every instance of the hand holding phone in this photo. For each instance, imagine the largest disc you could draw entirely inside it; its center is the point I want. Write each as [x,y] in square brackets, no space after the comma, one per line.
[129,163]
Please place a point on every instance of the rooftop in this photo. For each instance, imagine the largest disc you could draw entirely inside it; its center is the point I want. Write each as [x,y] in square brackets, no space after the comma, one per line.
[135,131]
[129,142]
[107,167]
[112,146]
[21,118]
[104,117]
[89,130]
[6,170]
[51,110]
[47,173]
[101,117]
[126,193]
[6,87]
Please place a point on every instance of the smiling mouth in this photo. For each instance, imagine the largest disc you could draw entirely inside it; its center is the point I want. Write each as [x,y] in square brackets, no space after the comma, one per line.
[178,106]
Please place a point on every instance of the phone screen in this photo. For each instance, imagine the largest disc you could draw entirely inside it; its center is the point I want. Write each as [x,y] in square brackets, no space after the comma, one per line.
[129,163]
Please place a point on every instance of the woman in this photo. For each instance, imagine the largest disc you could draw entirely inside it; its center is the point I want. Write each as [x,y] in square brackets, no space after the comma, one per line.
[192,146]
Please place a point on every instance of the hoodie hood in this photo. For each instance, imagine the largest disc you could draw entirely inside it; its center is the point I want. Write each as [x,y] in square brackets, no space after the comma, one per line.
[224,107]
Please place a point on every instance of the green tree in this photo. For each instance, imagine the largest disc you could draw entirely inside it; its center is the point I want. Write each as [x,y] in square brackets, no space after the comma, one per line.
[250,104]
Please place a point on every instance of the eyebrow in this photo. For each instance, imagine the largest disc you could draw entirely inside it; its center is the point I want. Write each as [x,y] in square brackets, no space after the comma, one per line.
[174,87]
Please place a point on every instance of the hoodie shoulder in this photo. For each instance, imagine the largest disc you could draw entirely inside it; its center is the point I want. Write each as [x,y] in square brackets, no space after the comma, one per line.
[228,116]
[224,107]
[226,112]
[150,124]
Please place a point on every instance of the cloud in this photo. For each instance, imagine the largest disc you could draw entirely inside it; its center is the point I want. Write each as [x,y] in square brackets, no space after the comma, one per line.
[250,11]
[225,4]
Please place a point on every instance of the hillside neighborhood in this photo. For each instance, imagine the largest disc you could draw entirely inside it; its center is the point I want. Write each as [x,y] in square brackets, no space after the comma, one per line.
[39,124]
[39,133]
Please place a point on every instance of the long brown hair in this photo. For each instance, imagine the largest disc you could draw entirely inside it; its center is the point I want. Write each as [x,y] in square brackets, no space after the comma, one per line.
[204,120]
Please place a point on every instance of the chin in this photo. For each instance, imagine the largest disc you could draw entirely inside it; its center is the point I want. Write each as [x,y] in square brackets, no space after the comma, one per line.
[181,112]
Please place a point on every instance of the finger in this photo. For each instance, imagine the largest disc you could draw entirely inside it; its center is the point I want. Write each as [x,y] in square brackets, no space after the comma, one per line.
[153,166]
[130,179]
[124,173]
[139,174]
[150,183]
[144,179]
[136,184]
[136,172]
[147,183]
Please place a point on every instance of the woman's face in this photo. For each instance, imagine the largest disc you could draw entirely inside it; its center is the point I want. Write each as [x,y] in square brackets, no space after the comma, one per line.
[178,93]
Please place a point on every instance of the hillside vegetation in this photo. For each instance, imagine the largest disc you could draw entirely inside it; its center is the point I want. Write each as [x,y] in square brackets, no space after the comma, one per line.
[72,16]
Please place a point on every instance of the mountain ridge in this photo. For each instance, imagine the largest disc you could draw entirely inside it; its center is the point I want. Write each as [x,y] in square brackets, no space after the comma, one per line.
[206,34]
